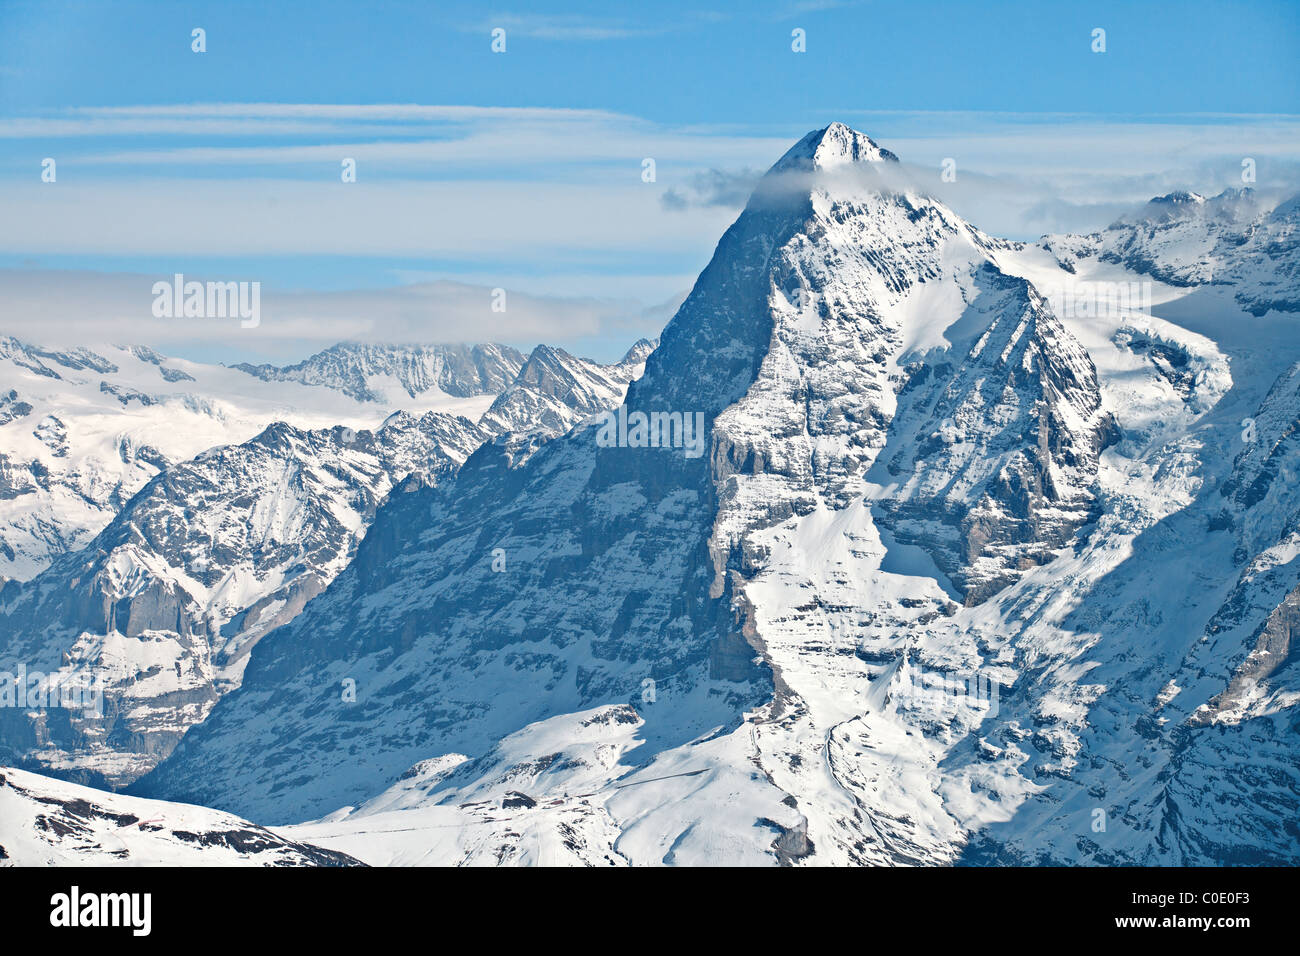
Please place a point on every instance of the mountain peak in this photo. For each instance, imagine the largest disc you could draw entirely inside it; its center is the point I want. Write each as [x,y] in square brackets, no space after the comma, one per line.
[1179,198]
[836,145]
[639,352]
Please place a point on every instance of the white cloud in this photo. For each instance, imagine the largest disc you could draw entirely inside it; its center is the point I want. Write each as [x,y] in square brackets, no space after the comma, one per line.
[80,307]
[1024,176]
[458,220]
[280,119]
[1017,174]
[566,27]
[533,199]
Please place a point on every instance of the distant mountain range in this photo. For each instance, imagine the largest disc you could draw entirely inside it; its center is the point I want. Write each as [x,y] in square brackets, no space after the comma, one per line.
[371,373]
[210,554]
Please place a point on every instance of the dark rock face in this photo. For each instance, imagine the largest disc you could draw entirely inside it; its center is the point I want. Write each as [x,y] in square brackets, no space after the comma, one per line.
[52,433]
[127,395]
[39,360]
[167,602]
[1261,507]
[1173,362]
[11,407]
[145,354]
[450,654]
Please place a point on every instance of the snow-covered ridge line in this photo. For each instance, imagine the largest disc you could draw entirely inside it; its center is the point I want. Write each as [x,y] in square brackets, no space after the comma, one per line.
[376,373]
[51,822]
[82,430]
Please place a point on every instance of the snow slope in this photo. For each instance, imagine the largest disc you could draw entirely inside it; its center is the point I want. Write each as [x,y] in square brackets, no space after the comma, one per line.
[49,822]
[397,375]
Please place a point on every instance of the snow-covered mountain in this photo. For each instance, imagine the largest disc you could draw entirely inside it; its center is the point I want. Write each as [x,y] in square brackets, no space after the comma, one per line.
[53,823]
[164,606]
[473,807]
[1234,239]
[392,375]
[967,573]
[555,391]
[82,430]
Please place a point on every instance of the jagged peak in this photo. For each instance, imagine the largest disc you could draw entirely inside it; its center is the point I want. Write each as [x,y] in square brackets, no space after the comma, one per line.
[838,161]
[831,148]
[1188,199]
[835,146]
[1233,203]
[639,352]
[546,356]
[1179,197]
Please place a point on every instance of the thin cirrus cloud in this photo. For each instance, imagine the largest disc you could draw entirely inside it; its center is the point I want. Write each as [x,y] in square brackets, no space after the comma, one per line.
[1070,160]
[437,137]
[441,181]
[567,27]
[272,120]
[591,28]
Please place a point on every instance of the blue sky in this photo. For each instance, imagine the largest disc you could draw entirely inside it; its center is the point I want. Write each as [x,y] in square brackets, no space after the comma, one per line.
[658,60]
[522,170]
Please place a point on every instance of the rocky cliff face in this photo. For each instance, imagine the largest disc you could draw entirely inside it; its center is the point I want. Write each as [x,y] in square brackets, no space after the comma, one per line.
[992,462]
[555,391]
[1189,706]
[993,450]
[164,606]
[573,577]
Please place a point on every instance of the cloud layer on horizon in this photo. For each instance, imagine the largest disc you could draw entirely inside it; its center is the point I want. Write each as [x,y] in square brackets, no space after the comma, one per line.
[548,203]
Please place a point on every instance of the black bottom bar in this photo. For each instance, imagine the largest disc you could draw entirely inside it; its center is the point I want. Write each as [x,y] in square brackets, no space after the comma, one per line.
[228,906]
